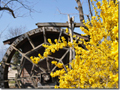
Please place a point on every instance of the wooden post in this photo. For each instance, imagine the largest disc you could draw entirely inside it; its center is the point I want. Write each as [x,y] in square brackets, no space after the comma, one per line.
[73,51]
[71,28]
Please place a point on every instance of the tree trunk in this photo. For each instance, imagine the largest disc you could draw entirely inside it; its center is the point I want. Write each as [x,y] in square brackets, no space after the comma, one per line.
[80,9]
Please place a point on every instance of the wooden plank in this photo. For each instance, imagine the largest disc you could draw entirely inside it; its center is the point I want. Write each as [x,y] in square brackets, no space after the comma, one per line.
[71,38]
[48,65]
[55,24]
[60,34]
[73,51]
[44,35]
[30,41]
[34,49]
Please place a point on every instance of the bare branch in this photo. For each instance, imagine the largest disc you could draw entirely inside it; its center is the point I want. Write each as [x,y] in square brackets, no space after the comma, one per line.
[80,9]
[0,3]
[1,14]
[12,32]
[25,6]
[14,6]
[9,2]
[3,30]
[66,13]
[88,17]
[8,9]
[90,8]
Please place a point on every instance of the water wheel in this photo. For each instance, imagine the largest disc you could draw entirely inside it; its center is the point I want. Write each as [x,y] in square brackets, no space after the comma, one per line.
[29,75]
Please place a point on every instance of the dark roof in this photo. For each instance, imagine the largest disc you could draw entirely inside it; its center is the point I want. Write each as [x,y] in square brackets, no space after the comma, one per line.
[11,40]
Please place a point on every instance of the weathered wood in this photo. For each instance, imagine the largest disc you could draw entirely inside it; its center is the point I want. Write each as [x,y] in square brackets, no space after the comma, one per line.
[8,63]
[21,66]
[32,79]
[48,65]
[64,55]
[71,38]
[73,51]
[31,43]
[80,9]
[28,58]
[53,58]
[17,81]
[60,35]
[44,35]
[55,24]
[34,49]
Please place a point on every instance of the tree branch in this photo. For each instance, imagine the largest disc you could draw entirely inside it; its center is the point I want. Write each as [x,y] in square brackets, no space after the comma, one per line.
[10,6]
[8,9]
[66,13]
[90,8]
[80,9]
[88,17]
[9,2]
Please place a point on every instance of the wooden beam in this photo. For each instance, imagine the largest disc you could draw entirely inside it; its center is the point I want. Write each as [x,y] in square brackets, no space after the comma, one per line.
[55,24]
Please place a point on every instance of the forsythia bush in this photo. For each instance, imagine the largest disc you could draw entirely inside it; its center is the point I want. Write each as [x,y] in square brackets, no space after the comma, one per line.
[96,67]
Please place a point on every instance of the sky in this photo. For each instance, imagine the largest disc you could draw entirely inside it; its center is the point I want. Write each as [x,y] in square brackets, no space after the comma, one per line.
[48,12]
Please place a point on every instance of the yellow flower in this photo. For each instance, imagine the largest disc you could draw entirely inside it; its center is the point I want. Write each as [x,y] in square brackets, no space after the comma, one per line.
[54,62]
[31,57]
[56,86]
[49,40]
[67,30]
[40,55]
[45,54]
[98,5]
[69,44]
[59,65]
[74,36]
[53,50]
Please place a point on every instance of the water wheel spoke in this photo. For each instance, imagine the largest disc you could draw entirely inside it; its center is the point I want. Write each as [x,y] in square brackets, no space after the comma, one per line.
[53,58]
[8,63]
[64,55]
[27,57]
[44,35]
[48,65]
[63,65]
[31,43]
[17,84]
[33,82]
[60,34]
[21,66]
[45,41]
[34,49]
[21,53]
[42,69]
[32,79]
[61,60]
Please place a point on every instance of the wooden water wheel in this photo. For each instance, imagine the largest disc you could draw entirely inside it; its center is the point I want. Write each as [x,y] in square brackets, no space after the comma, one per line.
[28,74]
